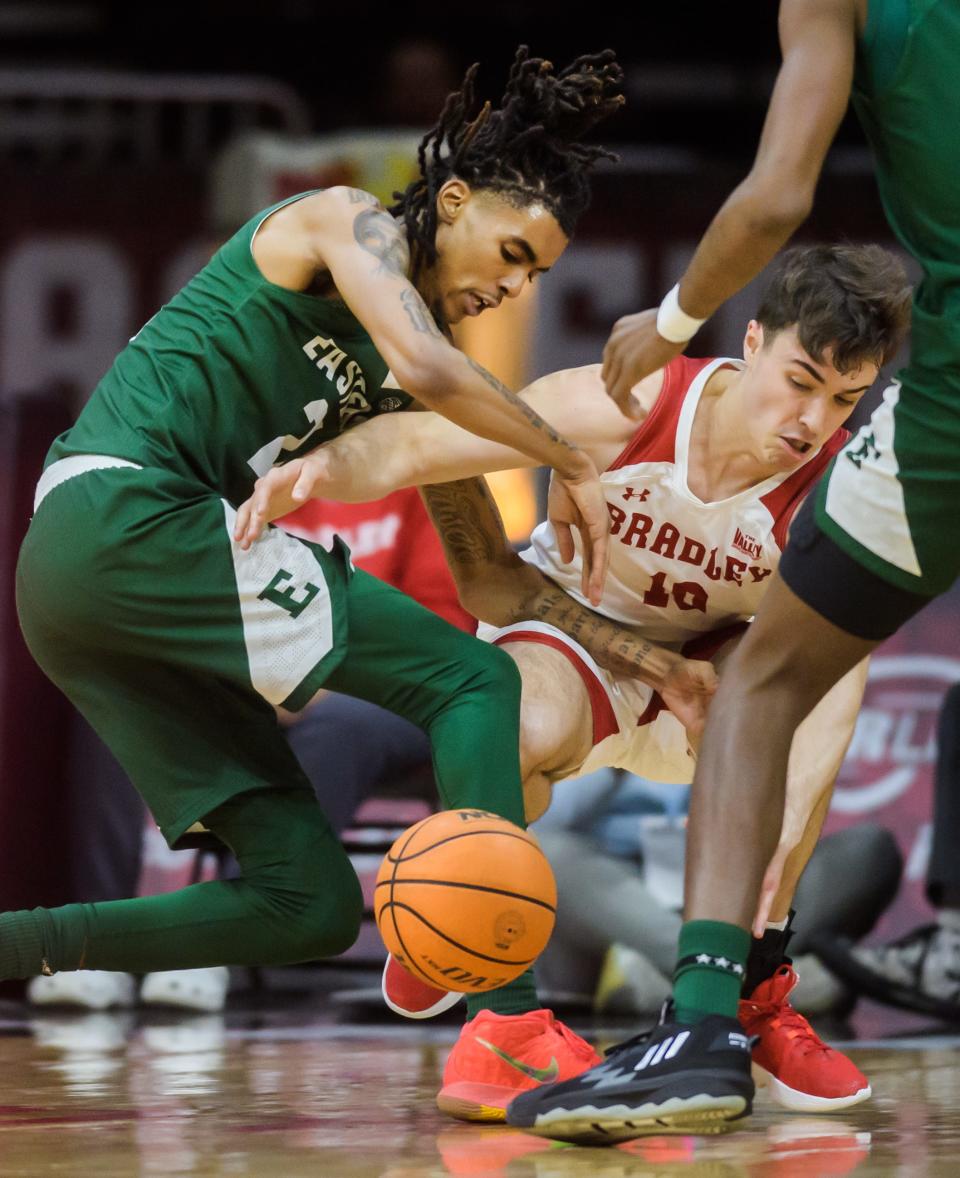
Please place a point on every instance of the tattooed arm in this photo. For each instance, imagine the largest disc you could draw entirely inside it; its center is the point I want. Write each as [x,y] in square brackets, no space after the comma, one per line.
[365,253]
[496,586]
[376,457]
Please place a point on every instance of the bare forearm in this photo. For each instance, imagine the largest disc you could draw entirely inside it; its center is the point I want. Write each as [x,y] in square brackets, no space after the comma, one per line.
[741,240]
[362,464]
[499,588]
[818,39]
[610,644]
[477,401]
[819,746]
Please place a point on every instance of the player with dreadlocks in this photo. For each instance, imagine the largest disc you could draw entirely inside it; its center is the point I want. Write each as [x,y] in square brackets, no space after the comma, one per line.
[144,598]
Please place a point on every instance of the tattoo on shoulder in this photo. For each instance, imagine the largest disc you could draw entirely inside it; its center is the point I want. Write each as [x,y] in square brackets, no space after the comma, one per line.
[533,417]
[419,313]
[461,513]
[377,232]
[359,197]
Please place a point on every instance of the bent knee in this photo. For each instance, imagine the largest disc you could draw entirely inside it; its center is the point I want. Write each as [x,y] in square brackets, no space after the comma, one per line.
[497,669]
[309,925]
[312,901]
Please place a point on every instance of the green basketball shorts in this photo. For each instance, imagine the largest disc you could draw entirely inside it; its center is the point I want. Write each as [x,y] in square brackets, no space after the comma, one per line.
[173,642]
[888,498]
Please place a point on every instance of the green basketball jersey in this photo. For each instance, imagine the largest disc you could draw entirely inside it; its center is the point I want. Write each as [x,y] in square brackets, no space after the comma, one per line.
[232,376]
[907,99]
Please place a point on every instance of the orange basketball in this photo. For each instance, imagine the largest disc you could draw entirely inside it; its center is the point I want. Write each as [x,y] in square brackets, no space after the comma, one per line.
[466,900]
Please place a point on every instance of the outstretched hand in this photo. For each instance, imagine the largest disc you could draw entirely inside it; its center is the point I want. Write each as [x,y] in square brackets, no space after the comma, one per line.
[687,690]
[280,491]
[580,503]
[634,350]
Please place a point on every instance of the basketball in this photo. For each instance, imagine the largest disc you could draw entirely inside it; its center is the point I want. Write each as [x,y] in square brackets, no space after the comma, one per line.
[465,900]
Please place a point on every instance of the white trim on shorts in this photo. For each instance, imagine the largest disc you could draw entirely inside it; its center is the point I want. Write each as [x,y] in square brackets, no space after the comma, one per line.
[656,749]
[866,499]
[282,649]
[68,468]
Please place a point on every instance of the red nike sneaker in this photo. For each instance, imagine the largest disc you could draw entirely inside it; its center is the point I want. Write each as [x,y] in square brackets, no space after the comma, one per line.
[802,1072]
[408,996]
[500,1055]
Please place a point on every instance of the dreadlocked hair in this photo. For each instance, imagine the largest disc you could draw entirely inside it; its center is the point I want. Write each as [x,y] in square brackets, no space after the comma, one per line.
[528,150]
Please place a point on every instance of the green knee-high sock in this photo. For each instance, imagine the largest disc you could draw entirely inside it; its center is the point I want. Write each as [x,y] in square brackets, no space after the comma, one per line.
[516,997]
[711,964]
[216,923]
[280,910]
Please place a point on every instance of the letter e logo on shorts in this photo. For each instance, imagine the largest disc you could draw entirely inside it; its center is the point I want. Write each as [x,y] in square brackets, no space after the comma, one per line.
[287,598]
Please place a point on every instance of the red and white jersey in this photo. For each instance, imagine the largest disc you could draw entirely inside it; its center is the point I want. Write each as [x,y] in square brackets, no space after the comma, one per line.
[679,566]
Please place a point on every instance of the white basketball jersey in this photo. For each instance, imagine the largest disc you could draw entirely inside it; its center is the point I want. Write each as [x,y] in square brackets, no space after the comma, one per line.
[679,566]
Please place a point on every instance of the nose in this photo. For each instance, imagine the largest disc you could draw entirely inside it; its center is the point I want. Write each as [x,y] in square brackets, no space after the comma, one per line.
[813,417]
[511,284]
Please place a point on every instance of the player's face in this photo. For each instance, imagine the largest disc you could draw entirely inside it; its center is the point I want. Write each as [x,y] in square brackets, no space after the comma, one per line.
[794,403]
[488,250]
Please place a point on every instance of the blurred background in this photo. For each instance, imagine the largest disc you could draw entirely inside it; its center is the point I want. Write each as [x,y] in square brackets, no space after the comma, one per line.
[136,137]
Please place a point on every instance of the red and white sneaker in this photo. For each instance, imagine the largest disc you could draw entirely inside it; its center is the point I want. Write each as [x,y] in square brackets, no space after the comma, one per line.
[408,996]
[801,1071]
[499,1056]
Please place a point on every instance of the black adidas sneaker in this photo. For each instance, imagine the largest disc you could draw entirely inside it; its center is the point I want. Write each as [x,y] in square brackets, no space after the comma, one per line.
[673,1079]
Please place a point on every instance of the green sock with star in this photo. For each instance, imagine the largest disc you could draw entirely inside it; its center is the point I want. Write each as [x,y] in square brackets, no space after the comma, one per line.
[711,965]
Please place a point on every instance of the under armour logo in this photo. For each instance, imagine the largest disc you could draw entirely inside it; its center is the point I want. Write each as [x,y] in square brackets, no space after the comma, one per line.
[630,493]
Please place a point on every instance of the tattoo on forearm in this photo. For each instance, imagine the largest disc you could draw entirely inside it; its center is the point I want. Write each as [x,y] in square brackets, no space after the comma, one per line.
[531,415]
[467,521]
[377,232]
[419,314]
[615,647]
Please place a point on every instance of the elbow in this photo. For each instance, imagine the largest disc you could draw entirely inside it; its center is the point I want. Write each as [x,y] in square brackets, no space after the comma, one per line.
[481,600]
[502,593]
[425,376]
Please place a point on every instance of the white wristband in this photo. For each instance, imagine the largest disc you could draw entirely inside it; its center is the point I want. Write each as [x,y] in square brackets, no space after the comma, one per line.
[673,323]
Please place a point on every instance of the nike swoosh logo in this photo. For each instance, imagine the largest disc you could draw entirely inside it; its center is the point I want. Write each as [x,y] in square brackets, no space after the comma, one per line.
[544,1075]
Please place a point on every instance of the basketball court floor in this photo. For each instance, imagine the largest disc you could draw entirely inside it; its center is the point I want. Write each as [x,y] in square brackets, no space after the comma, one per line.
[283,1085]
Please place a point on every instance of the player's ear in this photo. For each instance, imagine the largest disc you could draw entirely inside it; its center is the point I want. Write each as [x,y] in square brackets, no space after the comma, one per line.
[452,198]
[752,341]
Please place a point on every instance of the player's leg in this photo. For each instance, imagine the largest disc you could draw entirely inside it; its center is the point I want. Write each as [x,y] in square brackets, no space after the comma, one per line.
[556,724]
[792,656]
[297,897]
[698,1067]
[152,646]
[556,734]
[466,696]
